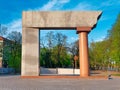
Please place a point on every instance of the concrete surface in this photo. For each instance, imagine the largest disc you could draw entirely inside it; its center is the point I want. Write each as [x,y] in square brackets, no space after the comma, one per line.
[68,19]
[48,70]
[69,71]
[30,52]
[16,83]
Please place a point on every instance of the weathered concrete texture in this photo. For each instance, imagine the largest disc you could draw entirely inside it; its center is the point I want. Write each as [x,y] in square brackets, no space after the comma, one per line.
[30,52]
[57,19]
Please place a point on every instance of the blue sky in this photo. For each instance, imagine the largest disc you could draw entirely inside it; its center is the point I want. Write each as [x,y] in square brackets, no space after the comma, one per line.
[11,13]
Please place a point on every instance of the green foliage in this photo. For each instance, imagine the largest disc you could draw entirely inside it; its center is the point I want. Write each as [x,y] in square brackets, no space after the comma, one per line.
[99,54]
[106,54]
[114,36]
[14,60]
[116,74]
[15,57]
[54,53]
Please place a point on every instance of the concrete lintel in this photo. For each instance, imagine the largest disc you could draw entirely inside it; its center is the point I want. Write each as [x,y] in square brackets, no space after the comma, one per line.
[56,19]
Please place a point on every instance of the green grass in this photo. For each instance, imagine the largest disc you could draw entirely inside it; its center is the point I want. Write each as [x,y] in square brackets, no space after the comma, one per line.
[116,74]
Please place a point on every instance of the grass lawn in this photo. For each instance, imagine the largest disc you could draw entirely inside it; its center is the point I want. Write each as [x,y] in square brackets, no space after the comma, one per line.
[105,73]
[117,74]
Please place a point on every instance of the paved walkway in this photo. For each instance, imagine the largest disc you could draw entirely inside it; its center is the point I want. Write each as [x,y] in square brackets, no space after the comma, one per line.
[16,83]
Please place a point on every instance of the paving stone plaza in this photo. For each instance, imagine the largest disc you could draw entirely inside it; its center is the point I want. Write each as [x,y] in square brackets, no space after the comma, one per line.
[17,83]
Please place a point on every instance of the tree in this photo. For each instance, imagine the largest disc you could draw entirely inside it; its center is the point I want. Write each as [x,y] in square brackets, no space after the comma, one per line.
[99,53]
[3,30]
[114,37]
[46,44]
[15,50]
[74,50]
[60,41]
[15,36]
[53,51]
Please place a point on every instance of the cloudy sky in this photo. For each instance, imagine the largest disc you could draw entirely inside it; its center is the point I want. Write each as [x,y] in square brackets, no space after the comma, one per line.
[11,13]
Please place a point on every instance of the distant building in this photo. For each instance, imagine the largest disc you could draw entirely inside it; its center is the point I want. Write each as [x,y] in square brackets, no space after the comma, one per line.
[5,46]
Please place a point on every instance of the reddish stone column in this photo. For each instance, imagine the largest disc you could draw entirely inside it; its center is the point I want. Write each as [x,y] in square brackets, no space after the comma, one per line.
[83,51]
[83,54]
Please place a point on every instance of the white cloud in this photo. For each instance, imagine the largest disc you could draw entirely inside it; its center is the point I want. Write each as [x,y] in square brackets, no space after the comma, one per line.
[99,39]
[74,38]
[63,1]
[109,3]
[103,5]
[49,5]
[15,25]
[53,5]
[106,5]
[84,6]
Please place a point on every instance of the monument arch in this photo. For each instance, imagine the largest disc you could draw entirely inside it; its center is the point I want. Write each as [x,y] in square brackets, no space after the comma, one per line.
[82,21]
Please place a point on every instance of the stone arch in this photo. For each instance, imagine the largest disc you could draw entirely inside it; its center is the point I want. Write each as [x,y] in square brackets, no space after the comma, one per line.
[82,21]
